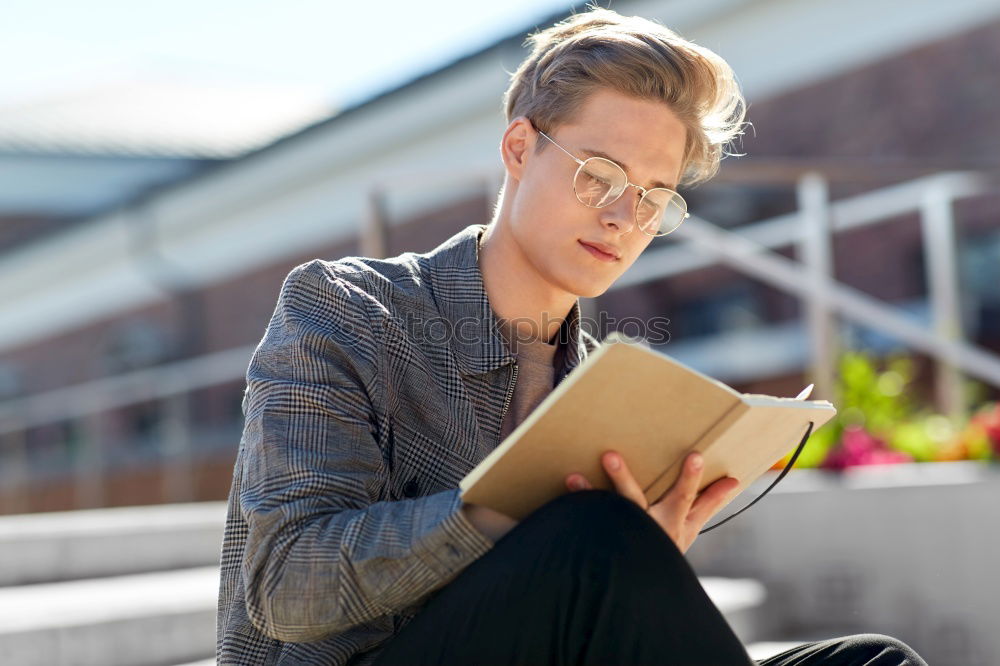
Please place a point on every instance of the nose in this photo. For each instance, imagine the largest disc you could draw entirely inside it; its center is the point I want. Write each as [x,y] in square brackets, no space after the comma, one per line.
[620,215]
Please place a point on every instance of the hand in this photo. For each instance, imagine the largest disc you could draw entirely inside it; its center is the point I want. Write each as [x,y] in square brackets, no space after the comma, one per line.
[681,511]
[493,524]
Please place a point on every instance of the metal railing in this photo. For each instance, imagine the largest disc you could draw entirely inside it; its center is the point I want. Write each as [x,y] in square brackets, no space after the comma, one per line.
[749,250]
[812,228]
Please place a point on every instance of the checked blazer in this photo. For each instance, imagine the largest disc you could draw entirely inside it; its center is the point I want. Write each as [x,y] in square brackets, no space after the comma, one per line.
[377,386]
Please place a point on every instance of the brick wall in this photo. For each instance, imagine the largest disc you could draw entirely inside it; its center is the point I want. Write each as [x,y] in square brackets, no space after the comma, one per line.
[936,104]
[233,313]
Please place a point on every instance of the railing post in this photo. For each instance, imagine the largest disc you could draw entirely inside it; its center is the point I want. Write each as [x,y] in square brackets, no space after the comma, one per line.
[178,478]
[14,472]
[374,240]
[937,226]
[89,474]
[816,252]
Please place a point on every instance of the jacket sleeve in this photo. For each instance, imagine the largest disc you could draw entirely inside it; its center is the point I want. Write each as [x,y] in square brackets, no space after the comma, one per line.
[323,553]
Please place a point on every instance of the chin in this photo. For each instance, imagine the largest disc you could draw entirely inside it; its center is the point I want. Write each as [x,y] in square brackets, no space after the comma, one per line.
[581,281]
[587,290]
[593,293]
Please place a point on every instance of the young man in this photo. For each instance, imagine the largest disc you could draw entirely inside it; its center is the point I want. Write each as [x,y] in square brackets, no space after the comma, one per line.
[380,383]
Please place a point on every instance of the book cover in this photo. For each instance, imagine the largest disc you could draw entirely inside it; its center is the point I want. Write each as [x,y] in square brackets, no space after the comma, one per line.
[650,408]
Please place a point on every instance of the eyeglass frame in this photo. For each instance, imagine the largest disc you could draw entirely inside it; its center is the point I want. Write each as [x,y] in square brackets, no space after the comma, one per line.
[628,183]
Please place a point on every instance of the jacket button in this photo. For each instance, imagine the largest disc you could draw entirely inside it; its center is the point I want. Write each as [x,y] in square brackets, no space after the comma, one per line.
[411,488]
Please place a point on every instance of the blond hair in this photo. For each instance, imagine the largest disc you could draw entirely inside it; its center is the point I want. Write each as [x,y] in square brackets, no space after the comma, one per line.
[638,57]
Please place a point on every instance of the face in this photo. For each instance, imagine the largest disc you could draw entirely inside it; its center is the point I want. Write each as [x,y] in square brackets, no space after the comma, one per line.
[554,232]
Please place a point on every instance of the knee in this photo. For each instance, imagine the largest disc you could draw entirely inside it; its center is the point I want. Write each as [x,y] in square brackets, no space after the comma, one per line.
[600,522]
[590,509]
[884,649]
[597,541]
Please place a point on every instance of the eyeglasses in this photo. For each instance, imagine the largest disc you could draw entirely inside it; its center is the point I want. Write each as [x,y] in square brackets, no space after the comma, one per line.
[599,182]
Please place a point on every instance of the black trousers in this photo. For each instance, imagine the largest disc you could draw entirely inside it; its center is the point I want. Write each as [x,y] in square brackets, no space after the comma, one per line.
[591,579]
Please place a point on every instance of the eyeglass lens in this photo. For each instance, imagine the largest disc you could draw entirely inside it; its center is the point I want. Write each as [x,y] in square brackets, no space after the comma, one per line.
[599,182]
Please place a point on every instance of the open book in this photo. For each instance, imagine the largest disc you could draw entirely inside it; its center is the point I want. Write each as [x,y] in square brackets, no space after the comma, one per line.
[653,410]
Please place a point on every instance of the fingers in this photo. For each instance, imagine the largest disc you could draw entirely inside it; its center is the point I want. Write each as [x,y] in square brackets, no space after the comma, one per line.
[671,511]
[577,482]
[622,478]
[681,505]
[620,475]
[682,495]
[711,500]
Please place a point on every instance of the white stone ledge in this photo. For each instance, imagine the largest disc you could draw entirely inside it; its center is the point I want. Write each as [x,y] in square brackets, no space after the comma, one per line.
[873,477]
[136,620]
[47,547]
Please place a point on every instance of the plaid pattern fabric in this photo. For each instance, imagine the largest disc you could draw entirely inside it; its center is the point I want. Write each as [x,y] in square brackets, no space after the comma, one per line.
[377,386]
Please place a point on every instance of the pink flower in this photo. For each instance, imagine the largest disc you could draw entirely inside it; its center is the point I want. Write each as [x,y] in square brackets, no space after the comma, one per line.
[990,421]
[858,447]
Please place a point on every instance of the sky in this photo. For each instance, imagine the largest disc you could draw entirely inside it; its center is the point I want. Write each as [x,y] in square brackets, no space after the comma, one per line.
[341,50]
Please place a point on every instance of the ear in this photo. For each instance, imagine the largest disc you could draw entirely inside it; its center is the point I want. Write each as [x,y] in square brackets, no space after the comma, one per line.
[517,145]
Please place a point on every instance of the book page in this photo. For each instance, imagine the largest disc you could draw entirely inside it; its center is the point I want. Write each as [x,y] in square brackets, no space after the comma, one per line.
[628,398]
[756,435]
[651,409]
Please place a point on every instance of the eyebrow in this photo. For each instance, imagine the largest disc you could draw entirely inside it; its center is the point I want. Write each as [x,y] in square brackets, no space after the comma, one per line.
[597,153]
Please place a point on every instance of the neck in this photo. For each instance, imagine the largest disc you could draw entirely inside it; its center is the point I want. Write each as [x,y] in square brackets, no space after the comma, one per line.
[530,307]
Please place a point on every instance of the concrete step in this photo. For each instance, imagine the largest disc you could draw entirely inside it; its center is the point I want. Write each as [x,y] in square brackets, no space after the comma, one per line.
[737,598]
[740,600]
[139,585]
[758,651]
[764,649]
[761,650]
[137,620]
[58,546]
[169,617]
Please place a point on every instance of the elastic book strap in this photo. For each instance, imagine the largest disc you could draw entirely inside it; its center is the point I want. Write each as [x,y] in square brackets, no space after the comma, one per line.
[791,462]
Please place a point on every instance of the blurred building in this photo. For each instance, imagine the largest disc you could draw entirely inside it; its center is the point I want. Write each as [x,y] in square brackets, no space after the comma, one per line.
[139,266]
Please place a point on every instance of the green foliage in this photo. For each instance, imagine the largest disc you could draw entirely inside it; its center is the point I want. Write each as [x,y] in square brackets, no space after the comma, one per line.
[865,396]
[921,437]
[878,397]
[819,445]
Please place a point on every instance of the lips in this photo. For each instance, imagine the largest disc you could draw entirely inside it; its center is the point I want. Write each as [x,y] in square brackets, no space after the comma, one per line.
[608,251]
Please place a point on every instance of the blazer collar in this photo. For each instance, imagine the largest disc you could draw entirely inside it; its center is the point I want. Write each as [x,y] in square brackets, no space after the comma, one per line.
[456,283]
